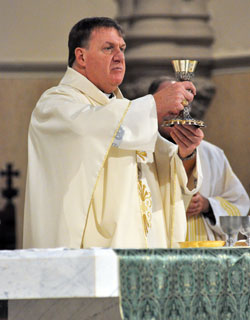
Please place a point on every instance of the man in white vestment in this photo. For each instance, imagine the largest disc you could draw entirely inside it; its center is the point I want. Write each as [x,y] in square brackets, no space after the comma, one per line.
[99,174]
[221,191]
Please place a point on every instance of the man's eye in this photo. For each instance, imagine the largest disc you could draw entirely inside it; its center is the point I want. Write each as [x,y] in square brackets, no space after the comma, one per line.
[123,49]
[108,48]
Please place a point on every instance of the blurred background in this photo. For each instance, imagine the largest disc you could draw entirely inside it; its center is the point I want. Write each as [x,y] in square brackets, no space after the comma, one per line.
[33,57]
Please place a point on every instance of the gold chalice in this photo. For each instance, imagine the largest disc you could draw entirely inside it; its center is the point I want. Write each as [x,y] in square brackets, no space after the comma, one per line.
[184,71]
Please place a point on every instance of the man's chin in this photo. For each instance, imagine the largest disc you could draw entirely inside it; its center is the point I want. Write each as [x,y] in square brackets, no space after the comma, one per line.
[117,82]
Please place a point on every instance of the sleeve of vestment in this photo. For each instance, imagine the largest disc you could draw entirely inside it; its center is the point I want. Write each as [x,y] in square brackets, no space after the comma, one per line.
[139,128]
[227,195]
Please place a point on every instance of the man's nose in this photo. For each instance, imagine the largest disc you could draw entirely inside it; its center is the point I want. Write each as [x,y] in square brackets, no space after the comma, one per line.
[119,55]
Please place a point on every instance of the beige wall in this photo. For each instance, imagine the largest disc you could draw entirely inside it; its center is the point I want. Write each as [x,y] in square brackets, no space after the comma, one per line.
[230,21]
[18,98]
[228,121]
[35,32]
[228,116]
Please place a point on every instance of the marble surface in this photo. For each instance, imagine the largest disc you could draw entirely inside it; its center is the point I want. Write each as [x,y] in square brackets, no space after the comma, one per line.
[58,273]
[65,309]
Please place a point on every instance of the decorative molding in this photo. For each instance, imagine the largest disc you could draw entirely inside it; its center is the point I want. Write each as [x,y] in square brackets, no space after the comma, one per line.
[217,64]
[16,67]
[232,63]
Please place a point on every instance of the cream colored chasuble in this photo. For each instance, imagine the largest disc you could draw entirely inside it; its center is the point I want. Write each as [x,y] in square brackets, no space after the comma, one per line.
[71,132]
[146,214]
[83,192]
[122,200]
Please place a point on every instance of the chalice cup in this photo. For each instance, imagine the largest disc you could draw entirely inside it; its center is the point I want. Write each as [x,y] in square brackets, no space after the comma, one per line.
[184,71]
[245,229]
[231,227]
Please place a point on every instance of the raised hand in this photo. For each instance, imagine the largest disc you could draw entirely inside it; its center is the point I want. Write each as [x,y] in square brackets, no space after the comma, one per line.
[171,100]
[187,137]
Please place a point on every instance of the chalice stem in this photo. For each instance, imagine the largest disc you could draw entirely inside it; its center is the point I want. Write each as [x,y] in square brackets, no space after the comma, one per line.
[230,241]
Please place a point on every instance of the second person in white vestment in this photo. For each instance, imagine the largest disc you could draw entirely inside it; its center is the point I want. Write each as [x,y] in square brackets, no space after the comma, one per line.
[99,174]
[221,191]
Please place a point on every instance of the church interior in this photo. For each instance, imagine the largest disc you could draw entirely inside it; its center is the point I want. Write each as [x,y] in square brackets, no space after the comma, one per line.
[33,58]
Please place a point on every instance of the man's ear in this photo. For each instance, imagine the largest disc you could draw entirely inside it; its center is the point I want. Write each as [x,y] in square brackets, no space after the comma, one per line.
[80,56]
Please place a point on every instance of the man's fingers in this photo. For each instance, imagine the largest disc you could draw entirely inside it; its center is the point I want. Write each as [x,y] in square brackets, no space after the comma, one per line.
[188,95]
[192,213]
[180,140]
[169,100]
[194,130]
[189,86]
[188,134]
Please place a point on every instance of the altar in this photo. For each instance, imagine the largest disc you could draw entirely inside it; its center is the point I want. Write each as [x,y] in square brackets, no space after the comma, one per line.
[106,284]
[59,284]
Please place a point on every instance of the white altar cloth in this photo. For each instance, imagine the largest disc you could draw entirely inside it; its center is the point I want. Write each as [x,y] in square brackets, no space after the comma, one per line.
[58,273]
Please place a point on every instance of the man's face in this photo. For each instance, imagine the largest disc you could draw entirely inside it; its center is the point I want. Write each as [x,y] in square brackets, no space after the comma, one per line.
[104,59]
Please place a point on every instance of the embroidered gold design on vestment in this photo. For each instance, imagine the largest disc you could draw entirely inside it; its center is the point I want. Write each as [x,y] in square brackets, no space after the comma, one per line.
[144,193]
[231,209]
[146,205]
[196,229]
[142,155]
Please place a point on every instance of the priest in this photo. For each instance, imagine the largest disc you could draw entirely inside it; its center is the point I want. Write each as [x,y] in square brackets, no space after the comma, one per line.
[98,173]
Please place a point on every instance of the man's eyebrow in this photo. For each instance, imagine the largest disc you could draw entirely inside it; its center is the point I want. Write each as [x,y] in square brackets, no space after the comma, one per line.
[112,43]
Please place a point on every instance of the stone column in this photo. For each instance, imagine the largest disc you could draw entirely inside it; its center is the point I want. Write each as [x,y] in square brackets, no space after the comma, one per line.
[158,31]
[126,9]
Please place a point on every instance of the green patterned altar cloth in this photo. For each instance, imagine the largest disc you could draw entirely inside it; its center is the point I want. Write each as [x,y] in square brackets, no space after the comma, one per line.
[185,284]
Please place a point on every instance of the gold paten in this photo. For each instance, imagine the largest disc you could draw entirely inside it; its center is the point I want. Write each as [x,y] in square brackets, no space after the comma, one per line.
[199,244]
